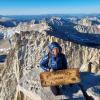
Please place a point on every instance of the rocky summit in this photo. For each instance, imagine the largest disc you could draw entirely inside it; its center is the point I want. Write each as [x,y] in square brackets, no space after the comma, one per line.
[28,43]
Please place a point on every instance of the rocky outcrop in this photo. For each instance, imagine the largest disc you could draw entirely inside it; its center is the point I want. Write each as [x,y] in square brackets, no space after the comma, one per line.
[85,22]
[9,78]
[88,25]
[87,29]
[20,75]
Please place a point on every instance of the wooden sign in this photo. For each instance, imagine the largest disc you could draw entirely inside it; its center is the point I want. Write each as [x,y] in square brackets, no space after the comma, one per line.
[60,77]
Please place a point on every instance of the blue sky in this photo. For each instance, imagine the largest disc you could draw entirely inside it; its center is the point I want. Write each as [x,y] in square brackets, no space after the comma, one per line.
[34,7]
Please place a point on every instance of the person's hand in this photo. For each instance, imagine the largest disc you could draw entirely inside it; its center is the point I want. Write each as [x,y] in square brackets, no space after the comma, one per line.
[51,70]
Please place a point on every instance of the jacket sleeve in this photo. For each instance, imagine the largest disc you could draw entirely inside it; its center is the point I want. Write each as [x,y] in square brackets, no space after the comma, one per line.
[64,62]
[44,63]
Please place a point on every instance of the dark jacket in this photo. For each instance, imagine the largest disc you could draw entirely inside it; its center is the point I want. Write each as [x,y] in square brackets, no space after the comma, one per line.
[49,61]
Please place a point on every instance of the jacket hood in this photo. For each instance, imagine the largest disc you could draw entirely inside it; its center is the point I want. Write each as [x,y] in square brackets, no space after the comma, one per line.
[55,45]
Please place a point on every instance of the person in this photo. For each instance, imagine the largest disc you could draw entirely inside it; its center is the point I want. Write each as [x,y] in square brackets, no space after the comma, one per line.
[53,61]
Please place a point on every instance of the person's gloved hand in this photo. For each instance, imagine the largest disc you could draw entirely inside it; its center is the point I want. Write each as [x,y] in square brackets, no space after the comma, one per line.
[50,70]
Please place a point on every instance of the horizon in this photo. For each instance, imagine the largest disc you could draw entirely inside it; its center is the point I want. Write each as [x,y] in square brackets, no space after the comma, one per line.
[69,14]
[45,7]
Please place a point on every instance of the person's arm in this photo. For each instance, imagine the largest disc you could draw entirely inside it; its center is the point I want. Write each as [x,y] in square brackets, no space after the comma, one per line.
[44,63]
[64,62]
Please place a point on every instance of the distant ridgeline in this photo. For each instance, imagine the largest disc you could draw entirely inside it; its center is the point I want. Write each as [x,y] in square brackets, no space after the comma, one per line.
[91,40]
[65,29]
[69,28]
